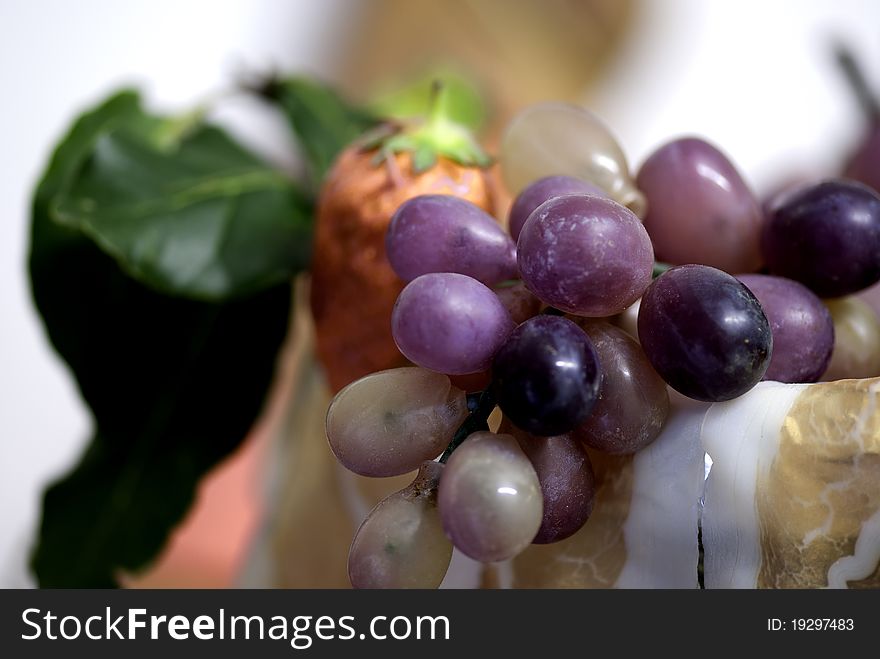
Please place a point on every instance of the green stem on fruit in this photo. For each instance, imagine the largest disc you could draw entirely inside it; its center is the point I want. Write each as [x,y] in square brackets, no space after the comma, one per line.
[659,269]
[855,77]
[475,422]
[426,140]
[436,104]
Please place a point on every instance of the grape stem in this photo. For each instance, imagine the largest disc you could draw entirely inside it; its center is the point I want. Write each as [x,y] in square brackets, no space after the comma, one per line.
[855,77]
[475,421]
[659,269]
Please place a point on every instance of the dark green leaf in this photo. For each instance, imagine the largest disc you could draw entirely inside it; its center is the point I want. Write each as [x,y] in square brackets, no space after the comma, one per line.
[189,214]
[173,384]
[323,122]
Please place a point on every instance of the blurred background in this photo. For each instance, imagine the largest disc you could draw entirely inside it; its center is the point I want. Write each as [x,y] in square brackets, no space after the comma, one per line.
[756,77]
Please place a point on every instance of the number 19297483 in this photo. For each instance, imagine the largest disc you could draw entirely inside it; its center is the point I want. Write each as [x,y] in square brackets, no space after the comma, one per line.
[810,624]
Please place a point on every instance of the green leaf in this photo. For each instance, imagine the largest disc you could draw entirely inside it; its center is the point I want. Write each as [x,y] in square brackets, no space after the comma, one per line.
[187,212]
[173,384]
[323,122]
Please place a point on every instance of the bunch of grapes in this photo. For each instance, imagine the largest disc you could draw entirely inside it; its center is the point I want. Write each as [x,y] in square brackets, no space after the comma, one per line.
[573,323]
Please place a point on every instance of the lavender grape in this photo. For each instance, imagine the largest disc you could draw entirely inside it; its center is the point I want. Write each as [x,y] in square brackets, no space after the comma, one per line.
[449,323]
[543,190]
[442,233]
[803,333]
[585,255]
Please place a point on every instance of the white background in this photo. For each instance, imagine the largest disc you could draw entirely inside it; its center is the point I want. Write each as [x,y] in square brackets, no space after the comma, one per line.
[754,76]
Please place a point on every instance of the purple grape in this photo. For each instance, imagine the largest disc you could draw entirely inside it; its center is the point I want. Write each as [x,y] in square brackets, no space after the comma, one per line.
[543,190]
[546,376]
[826,236]
[633,401]
[705,333]
[442,233]
[449,323]
[803,332]
[699,208]
[586,255]
[567,481]
[777,194]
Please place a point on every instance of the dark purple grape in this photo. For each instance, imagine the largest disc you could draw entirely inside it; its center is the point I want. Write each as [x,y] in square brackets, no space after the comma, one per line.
[705,333]
[826,236]
[543,190]
[778,193]
[567,481]
[546,376]
[699,208]
[449,323]
[442,233]
[585,255]
[803,332]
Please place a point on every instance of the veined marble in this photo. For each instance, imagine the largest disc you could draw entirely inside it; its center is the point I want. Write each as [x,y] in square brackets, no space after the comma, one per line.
[793,499]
